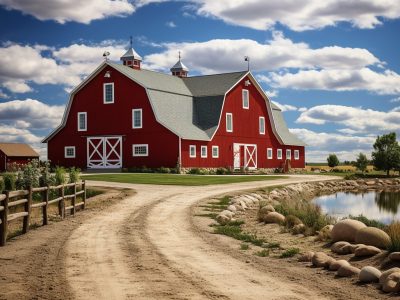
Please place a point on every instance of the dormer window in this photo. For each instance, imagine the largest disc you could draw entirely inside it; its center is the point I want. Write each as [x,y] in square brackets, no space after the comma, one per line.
[245,99]
[108,93]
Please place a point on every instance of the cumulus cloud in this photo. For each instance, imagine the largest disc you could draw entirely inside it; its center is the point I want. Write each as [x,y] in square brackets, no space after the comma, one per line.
[220,55]
[170,24]
[285,107]
[394,100]
[40,64]
[387,82]
[72,10]
[298,15]
[31,114]
[320,144]
[357,119]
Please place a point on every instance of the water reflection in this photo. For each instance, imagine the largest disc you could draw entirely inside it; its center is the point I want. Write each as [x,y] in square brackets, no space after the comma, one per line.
[379,205]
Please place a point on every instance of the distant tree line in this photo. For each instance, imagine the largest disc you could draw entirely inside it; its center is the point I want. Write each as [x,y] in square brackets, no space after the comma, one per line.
[385,157]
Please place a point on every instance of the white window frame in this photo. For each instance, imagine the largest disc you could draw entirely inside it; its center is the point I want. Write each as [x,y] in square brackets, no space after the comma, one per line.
[140,154]
[66,155]
[215,148]
[288,151]
[133,118]
[270,151]
[261,128]
[79,121]
[104,92]
[296,154]
[192,147]
[231,122]
[205,152]
[279,153]
[245,98]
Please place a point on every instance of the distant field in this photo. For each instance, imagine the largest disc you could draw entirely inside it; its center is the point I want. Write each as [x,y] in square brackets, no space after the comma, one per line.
[323,166]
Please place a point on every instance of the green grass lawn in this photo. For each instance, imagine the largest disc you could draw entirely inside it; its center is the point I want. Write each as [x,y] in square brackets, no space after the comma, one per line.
[172,179]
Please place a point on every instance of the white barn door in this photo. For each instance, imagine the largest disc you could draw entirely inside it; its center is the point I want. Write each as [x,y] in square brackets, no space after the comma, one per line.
[244,156]
[104,152]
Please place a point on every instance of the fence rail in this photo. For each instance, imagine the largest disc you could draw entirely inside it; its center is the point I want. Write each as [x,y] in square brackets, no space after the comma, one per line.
[13,199]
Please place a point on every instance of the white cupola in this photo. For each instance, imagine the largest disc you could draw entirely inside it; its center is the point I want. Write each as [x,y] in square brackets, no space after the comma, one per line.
[131,58]
[179,69]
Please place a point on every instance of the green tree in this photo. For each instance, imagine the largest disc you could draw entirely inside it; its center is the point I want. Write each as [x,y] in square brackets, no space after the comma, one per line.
[386,154]
[333,160]
[362,162]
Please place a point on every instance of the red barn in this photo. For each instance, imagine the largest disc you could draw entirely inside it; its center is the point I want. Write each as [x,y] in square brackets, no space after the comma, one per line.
[123,116]
[15,154]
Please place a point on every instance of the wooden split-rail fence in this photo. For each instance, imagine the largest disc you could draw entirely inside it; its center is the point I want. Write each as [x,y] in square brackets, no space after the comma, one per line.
[13,199]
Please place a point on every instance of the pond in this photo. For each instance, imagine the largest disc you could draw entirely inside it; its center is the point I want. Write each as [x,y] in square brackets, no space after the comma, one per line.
[382,206]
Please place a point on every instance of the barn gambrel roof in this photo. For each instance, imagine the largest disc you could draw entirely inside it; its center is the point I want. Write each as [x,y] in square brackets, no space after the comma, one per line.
[190,107]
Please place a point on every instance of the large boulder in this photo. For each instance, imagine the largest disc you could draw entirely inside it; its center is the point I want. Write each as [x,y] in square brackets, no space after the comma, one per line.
[299,228]
[345,230]
[325,233]
[385,274]
[369,274]
[337,264]
[347,271]
[274,217]
[366,251]
[306,257]
[321,260]
[264,211]
[394,256]
[341,247]
[391,284]
[373,236]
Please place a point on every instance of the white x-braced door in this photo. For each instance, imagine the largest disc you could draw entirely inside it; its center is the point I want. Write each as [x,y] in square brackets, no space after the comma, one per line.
[104,152]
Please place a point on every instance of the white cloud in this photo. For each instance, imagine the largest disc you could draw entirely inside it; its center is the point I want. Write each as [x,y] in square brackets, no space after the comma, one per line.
[220,55]
[387,82]
[72,10]
[31,114]
[3,95]
[299,15]
[40,64]
[285,107]
[170,24]
[394,100]
[272,93]
[358,119]
[321,144]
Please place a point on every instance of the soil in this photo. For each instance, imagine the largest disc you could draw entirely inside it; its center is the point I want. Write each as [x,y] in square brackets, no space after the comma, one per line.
[150,246]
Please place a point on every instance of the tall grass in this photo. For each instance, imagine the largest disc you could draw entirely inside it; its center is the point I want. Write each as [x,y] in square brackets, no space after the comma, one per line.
[309,213]
[368,222]
[393,230]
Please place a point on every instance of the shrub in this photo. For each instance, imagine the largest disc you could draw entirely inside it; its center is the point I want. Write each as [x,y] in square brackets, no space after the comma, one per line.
[74,174]
[291,220]
[163,170]
[393,231]
[1,185]
[29,176]
[262,253]
[60,175]
[368,222]
[10,181]
[195,171]
[46,178]
[244,246]
[290,252]
[332,160]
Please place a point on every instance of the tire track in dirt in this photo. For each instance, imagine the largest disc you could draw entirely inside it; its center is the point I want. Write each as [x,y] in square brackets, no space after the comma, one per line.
[146,249]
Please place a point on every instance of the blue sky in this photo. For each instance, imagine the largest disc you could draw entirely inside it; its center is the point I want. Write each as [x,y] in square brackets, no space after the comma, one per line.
[332,66]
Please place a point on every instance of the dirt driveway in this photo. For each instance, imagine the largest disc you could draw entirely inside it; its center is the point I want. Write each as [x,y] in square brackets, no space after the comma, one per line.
[147,247]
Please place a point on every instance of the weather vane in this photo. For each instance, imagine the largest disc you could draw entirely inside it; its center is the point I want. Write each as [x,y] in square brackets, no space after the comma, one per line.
[247,58]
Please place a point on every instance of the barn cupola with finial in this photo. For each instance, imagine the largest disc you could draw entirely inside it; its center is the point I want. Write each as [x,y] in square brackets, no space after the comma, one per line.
[131,58]
[179,69]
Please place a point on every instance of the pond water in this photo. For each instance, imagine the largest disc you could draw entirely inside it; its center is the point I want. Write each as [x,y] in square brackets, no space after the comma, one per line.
[382,206]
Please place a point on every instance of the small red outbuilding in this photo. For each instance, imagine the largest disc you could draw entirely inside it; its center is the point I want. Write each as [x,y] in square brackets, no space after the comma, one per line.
[122,116]
[15,153]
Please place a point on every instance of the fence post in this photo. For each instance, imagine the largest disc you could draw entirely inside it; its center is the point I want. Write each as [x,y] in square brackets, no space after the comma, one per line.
[45,207]
[61,204]
[27,206]
[73,201]
[4,222]
[84,194]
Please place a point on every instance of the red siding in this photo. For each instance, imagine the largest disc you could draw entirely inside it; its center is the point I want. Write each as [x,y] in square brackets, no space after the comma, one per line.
[114,119]
[245,131]
[2,161]
[7,162]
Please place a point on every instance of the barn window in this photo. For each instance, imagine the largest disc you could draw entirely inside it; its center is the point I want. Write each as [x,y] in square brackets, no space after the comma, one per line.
[192,150]
[269,153]
[140,150]
[279,153]
[137,118]
[204,151]
[215,151]
[296,154]
[229,122]
[261,124]
[288,154]
[82,121]
[69,152]
[108,93]
[245,99]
